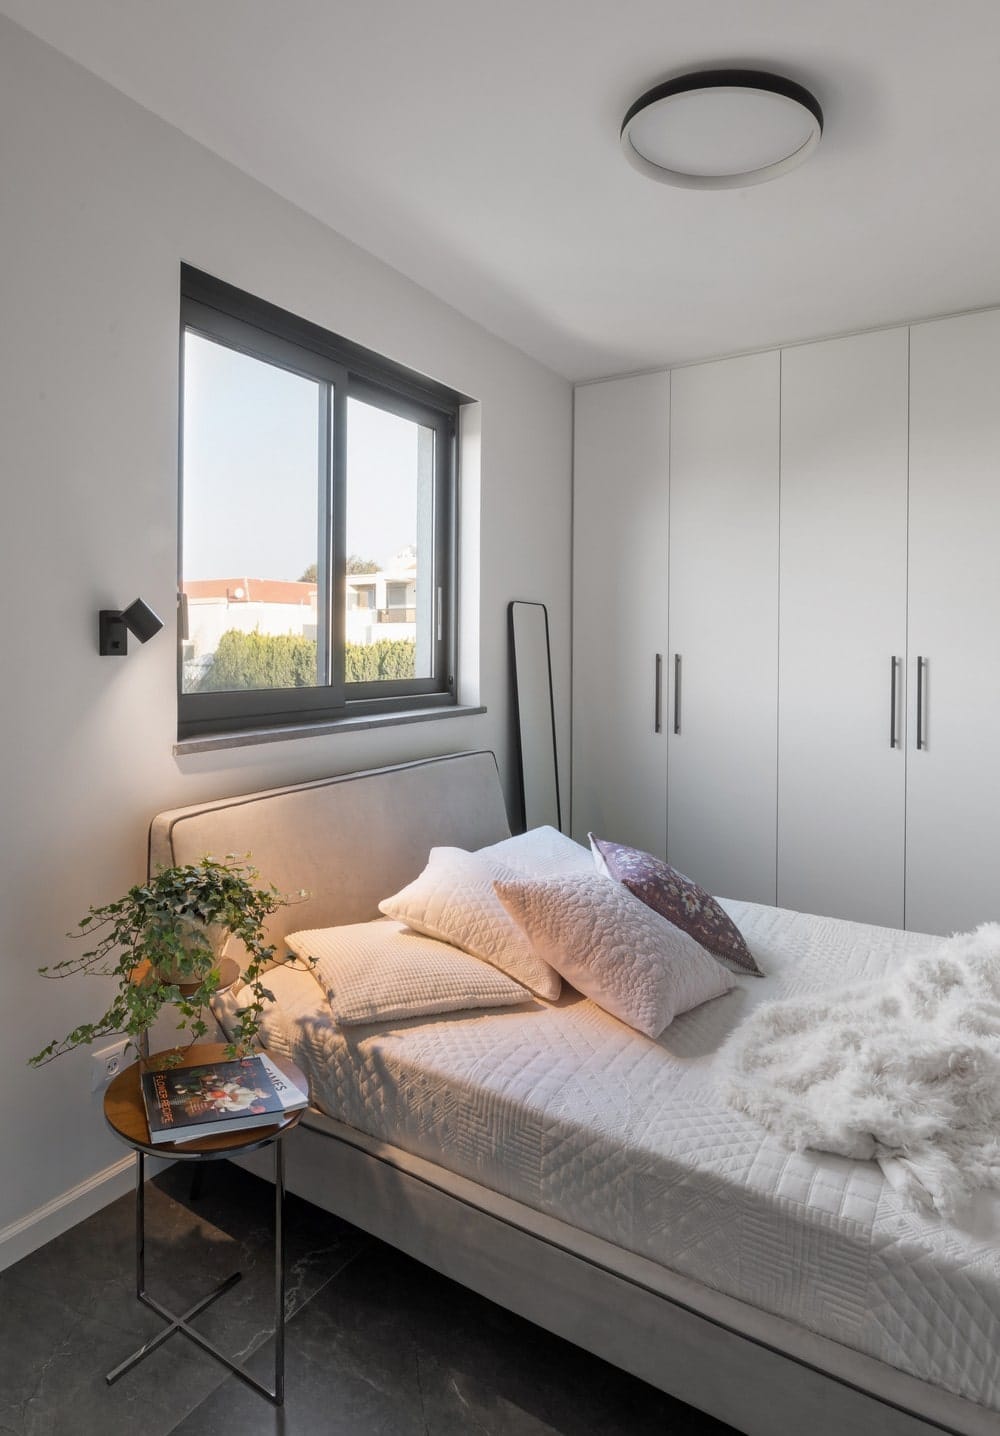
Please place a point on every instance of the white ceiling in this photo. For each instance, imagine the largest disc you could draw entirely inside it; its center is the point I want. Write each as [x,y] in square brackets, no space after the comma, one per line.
[473,145]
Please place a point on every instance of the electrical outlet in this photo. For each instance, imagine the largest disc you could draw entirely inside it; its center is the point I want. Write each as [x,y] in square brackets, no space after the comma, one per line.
[107,1063]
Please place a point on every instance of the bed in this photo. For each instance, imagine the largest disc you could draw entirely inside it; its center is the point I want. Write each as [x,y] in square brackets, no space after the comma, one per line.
[591,1179]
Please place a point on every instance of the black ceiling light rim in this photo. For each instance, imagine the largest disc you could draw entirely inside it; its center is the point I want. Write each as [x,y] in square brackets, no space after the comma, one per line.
[720,81]
[727,79]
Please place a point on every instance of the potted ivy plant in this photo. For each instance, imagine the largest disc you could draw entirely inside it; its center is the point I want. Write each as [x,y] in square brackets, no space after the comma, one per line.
[163,942]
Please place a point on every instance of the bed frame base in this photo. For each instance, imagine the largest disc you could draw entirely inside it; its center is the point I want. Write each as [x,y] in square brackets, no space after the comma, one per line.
[735,1378]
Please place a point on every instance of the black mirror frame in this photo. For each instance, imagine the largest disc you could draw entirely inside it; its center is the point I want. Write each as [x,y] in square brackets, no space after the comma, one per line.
[517,706]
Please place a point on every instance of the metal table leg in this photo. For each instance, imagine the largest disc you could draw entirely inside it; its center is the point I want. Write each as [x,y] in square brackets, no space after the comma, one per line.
[182,1323]
[140,1225]
[279,1272]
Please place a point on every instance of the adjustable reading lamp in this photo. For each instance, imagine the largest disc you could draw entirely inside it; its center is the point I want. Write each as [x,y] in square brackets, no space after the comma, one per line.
[115,627]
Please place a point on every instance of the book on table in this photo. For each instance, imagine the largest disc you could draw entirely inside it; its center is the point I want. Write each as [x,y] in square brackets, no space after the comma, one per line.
[212,1098]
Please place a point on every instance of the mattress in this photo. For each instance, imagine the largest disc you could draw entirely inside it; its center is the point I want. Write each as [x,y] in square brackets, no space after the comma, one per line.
[567,1110]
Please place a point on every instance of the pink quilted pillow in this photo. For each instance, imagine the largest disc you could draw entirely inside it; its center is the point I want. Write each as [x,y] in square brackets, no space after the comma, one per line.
[611,947]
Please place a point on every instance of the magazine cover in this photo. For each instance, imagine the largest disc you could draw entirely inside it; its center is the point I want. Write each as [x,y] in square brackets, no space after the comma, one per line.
[216,1097]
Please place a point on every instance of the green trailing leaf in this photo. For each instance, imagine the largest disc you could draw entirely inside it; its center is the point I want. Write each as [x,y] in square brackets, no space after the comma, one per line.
[164,922]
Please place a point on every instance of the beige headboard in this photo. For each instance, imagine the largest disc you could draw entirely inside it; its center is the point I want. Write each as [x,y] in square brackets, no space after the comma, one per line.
[349,841]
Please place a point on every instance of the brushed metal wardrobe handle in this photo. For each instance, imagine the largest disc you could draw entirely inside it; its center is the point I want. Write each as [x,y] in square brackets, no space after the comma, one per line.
[921,665]
[893,682]
[677,693]
[658,695]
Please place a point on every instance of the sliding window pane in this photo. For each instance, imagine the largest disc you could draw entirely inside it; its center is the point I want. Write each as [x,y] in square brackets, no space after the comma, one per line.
[253,578]
[390,546]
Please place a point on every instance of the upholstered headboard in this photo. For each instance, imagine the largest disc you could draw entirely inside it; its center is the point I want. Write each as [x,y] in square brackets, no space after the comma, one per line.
[348,841]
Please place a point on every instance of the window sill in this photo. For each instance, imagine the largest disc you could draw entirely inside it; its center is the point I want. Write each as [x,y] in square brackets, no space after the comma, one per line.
[214,741]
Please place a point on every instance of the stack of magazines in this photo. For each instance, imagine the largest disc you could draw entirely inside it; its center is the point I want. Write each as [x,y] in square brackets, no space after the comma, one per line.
[183,1103]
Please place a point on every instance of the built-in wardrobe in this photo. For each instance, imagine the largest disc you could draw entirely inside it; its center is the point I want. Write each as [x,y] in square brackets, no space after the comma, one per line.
[786,673]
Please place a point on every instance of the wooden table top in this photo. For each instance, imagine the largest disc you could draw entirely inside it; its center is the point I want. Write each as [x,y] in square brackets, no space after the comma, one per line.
[125,1111]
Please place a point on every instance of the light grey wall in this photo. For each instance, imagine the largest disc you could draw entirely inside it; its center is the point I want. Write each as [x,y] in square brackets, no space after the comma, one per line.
[99,203]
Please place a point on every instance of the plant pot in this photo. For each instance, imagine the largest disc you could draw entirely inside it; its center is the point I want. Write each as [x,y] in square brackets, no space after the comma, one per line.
[197,934]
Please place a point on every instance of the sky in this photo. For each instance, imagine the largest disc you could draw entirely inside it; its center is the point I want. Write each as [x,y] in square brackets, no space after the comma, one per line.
[251,470]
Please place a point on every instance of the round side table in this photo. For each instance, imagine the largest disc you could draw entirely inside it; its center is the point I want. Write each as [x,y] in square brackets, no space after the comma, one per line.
[125,1113]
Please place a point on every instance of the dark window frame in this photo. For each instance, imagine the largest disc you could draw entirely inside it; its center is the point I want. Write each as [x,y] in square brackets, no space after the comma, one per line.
[230,316]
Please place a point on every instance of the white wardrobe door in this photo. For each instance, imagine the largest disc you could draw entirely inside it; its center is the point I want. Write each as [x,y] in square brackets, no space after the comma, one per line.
[621,458]
[841,785]
[953,780]
[724,624]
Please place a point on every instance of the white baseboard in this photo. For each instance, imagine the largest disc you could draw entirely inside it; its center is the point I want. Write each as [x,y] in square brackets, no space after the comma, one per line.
[32,1231]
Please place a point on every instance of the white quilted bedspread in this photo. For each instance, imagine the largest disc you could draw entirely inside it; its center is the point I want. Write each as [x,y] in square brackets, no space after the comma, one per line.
[568,1110]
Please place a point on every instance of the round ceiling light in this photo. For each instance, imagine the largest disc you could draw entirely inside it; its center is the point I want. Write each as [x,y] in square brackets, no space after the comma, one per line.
[720,129]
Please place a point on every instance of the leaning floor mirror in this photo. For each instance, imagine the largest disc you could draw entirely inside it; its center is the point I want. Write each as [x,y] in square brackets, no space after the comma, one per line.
[534,713]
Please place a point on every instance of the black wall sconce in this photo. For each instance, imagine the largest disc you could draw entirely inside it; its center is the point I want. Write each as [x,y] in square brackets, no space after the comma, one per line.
[115,627]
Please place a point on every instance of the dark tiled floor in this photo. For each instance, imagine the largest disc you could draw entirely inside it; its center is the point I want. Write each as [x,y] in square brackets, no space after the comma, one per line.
[376,1343]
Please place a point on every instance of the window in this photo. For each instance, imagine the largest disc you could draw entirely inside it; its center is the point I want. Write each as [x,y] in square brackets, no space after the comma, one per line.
[318,535]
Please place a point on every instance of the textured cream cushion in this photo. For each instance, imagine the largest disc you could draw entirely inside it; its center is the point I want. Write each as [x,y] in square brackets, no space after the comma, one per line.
[453,900]
[375,971]
[541,853]
[610,946]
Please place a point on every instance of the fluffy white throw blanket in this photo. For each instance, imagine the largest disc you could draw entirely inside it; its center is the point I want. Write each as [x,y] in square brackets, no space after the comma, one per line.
[905,1070]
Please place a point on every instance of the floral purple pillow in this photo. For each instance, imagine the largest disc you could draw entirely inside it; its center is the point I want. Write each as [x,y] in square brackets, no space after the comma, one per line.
[678,899]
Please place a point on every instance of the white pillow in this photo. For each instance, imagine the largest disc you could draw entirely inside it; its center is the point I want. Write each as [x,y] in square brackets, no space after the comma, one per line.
[612,947]
[376,971]
[453,900]
[541,853]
